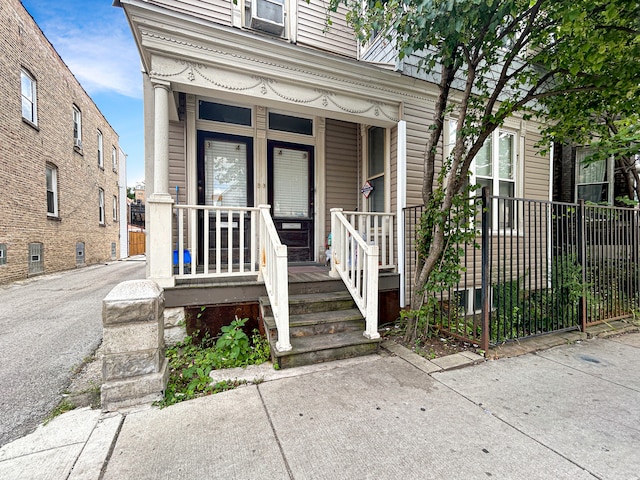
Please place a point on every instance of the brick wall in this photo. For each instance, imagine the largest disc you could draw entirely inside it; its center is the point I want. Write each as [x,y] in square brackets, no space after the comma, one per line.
[26,149]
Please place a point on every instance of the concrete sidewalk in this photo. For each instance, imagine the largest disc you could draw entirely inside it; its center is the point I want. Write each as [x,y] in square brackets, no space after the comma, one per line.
[569,412]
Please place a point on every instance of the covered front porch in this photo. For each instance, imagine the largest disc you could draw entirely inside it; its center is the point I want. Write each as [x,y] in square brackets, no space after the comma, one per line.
[244,261]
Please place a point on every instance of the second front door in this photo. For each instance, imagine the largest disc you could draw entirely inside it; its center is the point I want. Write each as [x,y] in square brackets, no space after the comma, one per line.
[290,192]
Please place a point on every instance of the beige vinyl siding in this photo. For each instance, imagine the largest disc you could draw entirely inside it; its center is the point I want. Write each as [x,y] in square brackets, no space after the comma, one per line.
[536,167]
[313,32]
[381,50]
[218,11]
[418,118]
[177,169]
[341,167]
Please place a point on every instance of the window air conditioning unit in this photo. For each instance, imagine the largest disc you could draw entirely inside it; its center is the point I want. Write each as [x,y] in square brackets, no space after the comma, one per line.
[77,143]
[268,16]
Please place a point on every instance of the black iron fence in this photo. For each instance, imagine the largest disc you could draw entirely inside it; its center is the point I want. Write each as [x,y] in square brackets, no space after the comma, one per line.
[535,267]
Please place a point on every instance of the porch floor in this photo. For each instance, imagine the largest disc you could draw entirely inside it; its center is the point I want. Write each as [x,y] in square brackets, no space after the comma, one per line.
[303,278]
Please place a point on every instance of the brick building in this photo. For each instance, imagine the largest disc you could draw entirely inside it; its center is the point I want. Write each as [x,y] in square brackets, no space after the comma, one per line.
[59,159]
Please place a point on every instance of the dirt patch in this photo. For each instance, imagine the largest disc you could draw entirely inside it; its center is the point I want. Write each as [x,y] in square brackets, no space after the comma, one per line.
[433,346]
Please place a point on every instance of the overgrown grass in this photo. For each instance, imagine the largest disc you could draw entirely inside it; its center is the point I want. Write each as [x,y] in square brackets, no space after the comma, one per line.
[190,362]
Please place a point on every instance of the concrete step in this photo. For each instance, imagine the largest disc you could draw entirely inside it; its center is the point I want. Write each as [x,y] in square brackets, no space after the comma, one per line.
[319,323]
[311,303]
[322,327]
[311,349]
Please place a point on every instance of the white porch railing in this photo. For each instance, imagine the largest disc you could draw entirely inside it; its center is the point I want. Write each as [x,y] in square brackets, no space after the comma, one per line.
[233,232]
[273,269]
[377,229]
[356,262]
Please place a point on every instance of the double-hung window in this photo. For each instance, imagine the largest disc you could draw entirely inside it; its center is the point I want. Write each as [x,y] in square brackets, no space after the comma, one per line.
[101,206]
[495,167]
[29,99]
[52,191]
[115,208]
[77,127]
[100,150]
[114,159]
[593,178]
[375,168]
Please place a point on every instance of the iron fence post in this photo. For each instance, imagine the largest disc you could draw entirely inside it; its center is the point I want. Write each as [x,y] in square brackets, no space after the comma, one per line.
[485,271]
[582,307]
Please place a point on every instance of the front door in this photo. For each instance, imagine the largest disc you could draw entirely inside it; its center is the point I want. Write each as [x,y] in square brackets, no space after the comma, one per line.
[290,185]
[225,179]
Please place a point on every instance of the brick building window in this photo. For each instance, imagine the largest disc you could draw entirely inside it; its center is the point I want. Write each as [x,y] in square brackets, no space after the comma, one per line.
[52,191]
[115,208]
[3,254]
[77,127]
[29,99]
[101,205]
[114,159]
[100,151]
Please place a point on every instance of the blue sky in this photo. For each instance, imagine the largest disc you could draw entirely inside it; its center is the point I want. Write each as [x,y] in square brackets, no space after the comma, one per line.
[94,40]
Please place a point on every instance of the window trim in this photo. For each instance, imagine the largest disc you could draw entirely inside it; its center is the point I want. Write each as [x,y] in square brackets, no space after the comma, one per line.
[101,214]
[385,170]
[77,127]
[517,180]
[54,182]
[24,73]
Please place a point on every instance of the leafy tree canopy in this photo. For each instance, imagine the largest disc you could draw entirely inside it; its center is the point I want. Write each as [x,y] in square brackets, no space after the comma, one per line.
[493,58]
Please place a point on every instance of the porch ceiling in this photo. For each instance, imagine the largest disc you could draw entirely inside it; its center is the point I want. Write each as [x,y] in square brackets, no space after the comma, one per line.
[208,59]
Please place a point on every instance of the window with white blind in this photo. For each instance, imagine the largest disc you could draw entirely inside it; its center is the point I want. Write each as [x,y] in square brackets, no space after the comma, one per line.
[226,176]
[290,183]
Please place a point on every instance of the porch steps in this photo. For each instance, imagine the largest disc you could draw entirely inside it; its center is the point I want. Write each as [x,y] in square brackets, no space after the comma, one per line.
[323,327]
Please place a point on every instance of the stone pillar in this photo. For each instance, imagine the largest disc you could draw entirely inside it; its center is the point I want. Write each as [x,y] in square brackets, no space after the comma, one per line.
[134,368]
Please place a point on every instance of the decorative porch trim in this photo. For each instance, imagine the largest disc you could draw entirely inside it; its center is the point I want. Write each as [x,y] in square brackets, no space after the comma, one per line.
[231,81]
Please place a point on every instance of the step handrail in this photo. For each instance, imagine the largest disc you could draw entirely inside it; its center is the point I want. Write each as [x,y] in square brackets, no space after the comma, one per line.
[356,262]
[273,270]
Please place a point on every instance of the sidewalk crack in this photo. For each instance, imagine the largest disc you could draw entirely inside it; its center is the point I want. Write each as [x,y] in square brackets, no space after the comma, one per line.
[273,429]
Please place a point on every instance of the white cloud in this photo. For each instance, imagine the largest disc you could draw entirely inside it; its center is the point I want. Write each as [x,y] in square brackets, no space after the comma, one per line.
[102,63]
[94,40]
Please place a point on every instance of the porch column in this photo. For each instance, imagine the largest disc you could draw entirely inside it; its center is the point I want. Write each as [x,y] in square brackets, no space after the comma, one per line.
[401,189]
[160,201]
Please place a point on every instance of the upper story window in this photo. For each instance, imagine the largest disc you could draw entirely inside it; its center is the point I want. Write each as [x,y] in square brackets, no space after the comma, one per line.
[265,15]
[29,98]
[114,159]
[115,208]
[52,191]
[100,150]
[593,178]
[77,127]
[101,206]
[375,168]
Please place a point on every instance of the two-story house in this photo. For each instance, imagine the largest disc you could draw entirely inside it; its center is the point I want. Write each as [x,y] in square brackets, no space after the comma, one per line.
[255,103]
[60,160]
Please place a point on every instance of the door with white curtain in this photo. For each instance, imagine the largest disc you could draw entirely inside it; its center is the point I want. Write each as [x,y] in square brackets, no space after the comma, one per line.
[290,193]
